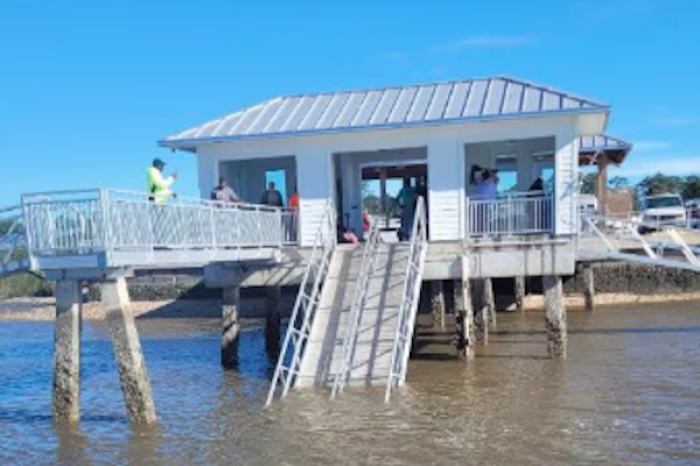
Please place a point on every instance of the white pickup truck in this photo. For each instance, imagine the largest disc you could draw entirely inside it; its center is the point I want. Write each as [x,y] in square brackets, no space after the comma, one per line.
[662,210]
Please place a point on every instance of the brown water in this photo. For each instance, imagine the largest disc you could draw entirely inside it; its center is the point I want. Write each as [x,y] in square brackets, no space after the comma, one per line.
[628,394]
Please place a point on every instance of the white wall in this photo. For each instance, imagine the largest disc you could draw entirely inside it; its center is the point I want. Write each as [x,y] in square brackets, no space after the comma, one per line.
[314,157]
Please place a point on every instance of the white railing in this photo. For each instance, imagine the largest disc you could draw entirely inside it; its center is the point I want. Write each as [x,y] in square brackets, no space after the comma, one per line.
[307,302]
[617,238]
[409,304]
[352,329]
[512,214]
[111,221]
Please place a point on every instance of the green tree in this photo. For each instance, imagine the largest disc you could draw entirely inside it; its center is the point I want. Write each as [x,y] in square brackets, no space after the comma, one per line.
[691,188]
[660,184]
[619,183]
[588,183]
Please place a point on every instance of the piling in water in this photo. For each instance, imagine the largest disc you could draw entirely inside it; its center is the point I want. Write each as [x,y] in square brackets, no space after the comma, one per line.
[273,321]
[66,367]
[136,386]
[230,327]
[555,316]
[437,303]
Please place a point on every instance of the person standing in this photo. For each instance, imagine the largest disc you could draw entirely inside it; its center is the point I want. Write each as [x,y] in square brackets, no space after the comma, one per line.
[406,199]
[272,197]
[158,186]
[224,193]
[294,200]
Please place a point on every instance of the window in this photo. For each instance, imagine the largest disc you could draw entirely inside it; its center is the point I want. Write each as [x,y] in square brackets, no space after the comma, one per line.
[507,167]
[543,167]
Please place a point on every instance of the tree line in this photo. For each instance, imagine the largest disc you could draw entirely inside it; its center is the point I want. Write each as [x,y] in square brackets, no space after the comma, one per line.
[687,186]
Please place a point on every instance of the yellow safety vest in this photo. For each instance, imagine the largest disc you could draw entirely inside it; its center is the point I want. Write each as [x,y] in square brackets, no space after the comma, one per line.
[158,187]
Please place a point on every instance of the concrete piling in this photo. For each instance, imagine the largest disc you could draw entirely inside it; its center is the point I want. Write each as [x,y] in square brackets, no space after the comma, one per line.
[490,301]
[588,288]
[520,293]
[555,316]
[273,321]
[464,314]
[130,362]
[437,303]
[66,375]
[230,327]
[481,314]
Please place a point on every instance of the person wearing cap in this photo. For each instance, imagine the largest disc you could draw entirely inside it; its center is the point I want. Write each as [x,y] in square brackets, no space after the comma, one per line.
[158,186]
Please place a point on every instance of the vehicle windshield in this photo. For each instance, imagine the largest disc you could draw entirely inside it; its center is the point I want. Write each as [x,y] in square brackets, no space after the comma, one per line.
[667,201]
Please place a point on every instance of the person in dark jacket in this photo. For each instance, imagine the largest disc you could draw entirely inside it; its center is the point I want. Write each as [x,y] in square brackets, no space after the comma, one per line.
[272,197]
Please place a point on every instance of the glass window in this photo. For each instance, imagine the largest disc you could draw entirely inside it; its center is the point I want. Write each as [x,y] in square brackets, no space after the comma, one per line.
[507,167]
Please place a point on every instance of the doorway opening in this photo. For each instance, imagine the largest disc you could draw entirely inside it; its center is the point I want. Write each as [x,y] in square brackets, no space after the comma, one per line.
[389,195]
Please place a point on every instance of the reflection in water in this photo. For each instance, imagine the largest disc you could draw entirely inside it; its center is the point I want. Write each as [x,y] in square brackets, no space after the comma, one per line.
[626,395]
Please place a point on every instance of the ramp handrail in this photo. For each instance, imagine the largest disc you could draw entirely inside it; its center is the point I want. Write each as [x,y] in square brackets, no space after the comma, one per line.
[613,231]
[349,346]
[307,302]
[409,304]
[13,241]
[109,220]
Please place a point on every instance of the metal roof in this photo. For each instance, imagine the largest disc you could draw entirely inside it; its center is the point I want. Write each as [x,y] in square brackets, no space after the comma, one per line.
[391,107]
[591,146]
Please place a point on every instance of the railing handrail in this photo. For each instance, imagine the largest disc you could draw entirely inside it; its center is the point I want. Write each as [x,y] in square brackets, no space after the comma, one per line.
[365,273]
[512,215]
[409,304]
[306,303]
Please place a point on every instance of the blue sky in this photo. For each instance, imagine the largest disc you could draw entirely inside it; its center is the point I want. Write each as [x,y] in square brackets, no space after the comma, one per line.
[87,87]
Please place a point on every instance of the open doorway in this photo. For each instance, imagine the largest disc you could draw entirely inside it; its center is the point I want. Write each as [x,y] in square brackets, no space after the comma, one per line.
[370,183]
[389,194]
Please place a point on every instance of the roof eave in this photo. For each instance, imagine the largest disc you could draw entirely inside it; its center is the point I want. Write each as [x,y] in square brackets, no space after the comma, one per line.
[191,144]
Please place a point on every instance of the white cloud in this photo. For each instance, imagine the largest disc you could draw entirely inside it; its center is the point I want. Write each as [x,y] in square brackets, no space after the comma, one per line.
[647,146]
[679,121]
[488,41]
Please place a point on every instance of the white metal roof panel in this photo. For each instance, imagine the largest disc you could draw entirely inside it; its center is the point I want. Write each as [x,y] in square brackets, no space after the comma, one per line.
[491,98]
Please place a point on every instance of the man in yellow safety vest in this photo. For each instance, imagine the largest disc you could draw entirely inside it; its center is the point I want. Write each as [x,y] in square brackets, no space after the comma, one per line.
[158,186]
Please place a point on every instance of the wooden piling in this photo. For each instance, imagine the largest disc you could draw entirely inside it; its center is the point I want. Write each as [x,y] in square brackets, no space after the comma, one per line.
[490,301]
[588,288]
[555,316]
[438,303]
[520,293]
[273,321]
[136,386]
[230,327]
[66,364]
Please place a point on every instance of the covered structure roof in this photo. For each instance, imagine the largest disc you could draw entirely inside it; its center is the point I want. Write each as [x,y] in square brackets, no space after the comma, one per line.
[391,107]
[592,147]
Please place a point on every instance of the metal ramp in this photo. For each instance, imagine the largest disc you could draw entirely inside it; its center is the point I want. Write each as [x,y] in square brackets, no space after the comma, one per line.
[360,332]
[604,238]
[13,242]
[305,308]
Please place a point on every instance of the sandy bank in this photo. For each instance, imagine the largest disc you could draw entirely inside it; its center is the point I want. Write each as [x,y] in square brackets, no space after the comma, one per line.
[42,309]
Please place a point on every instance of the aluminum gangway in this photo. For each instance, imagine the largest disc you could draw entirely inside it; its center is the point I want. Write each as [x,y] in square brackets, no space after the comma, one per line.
[305,307]
[355,319]
[608,238]
[361,320]
[108,228]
